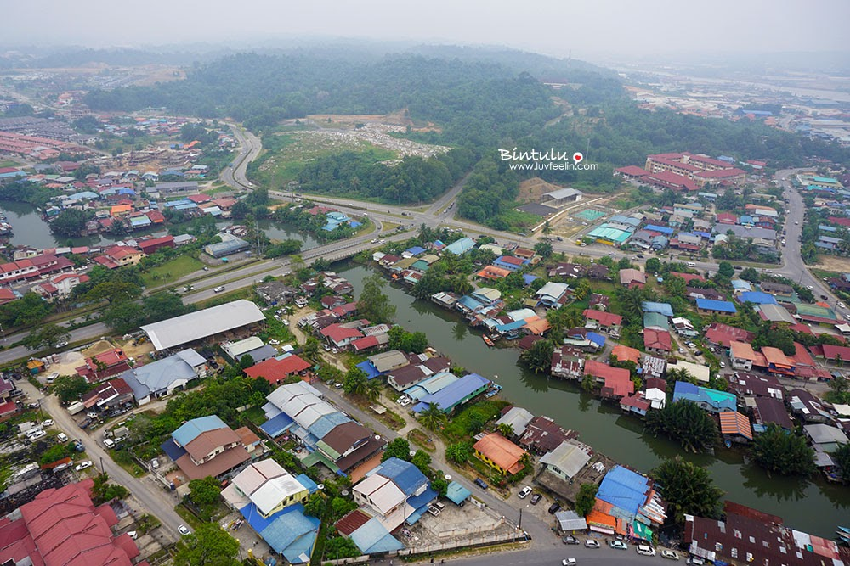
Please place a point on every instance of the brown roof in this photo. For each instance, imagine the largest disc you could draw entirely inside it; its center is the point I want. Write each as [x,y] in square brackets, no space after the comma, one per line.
[342,437]
[247,436]
[208,441]
[365,451]
[543,435]
[351,522]
[224,462]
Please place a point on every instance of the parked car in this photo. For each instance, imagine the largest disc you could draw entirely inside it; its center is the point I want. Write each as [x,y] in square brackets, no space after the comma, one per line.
[83,465]
[62,437]
[37,434]
[696,560]
[535,498]
[570,539]
[645,550]
[568,562]
[480,483]
[618,544]
[524,492]
[184,531]
[47,422]
[554,508]
[590,543]
[722,364]
[669,554]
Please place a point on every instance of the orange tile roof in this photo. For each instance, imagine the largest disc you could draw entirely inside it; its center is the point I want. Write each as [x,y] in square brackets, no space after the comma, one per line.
[501,452]
[626,354]
[733,422]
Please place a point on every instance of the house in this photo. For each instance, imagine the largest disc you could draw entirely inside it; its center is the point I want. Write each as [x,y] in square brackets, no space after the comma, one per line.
[266,488]
[604,320]
[748,536]
[104,365]
[205,446]
[625,354]
[655,392]
[599,302]
[632,277]
[493,272]
[735,427]
[341,334]
[455,394]
[807,407]
[756,298]
[567,363]
[566,460]
[656,320]
[616,382]
[778,362]
[151,245]
[825,438]
[63,527]
[119,256]
[394,492]
[510,263]
[515,417]
[636,404]
[707,306]
[684,327]
[407,376]
[165,376]
[275,370]
[721,334]
[388,361]
[553,295]
[710,400]
[657,341]
[769,410]
[276,292]
[109,395]
[500,453]
[461,246]
[542,435]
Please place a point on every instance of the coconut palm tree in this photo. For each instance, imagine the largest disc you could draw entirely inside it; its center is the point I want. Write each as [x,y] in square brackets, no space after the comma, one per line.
[433,418]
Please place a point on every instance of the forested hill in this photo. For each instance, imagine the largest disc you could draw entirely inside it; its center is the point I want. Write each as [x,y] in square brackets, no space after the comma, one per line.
[467,98]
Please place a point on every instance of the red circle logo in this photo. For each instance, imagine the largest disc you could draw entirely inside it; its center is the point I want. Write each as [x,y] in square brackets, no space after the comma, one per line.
[577,157]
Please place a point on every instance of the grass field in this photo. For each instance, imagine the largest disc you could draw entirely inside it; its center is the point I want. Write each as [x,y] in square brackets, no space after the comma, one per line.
[171,270]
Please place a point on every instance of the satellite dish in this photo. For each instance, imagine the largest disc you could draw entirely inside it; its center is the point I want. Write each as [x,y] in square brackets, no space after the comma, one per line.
[344,493]
[320,487]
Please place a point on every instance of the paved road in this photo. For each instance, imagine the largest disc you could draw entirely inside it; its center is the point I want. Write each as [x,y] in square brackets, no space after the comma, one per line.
[553,555]
[156,500]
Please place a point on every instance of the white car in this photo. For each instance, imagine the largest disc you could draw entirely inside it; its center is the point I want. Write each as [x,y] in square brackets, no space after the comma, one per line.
[218,289]
[590,543]
[47,422]
[375,241]
[83,465]
[809,287]
[62,437]
[723,364]
[645,550]
[696,560]
[37,434]
[405,402]
[841,305]
[568,562]
[184,531]
[669,554]
[525,492]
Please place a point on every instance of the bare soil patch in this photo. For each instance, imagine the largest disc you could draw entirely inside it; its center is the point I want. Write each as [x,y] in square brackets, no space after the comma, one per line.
[833,263]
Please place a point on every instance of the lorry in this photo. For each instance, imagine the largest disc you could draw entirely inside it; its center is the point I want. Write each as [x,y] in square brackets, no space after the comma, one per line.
[75,407]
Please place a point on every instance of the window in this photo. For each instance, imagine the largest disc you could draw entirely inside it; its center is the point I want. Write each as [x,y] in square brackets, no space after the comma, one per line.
[734,553]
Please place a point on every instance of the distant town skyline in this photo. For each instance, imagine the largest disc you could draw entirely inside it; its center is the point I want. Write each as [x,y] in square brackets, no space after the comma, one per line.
[590,30]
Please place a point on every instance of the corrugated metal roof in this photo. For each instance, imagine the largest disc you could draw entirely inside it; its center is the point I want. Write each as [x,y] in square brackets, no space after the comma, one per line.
[374,538]
[191,429]
[201,324]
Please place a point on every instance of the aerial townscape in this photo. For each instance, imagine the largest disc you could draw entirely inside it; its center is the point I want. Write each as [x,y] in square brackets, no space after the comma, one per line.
[309,286]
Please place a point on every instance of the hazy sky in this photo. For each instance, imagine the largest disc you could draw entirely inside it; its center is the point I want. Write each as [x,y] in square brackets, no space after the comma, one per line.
[588,29]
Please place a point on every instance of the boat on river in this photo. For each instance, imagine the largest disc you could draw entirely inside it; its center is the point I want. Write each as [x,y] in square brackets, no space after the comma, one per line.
[488,341]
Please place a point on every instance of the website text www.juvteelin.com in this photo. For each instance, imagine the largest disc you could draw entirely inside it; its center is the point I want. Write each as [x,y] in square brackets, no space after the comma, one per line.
[552,160]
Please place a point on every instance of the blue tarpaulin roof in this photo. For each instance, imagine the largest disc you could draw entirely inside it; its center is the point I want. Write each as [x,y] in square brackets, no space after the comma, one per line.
[624,489]
[528,279]
[407,477]
[172,450]
[456,493]
[355,224]
[661,229]
[305,480]
[597,339]
[423,499]
[507,327]
[292,534]
[757,298]
[369,369]
[277,425]
[415,250]
[190,430]
[373,538]
[713,305]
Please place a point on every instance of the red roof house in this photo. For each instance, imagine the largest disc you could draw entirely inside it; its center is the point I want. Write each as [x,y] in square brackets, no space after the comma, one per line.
[151,245]
[657,340]
[275,371]
[62,527]
[104,365]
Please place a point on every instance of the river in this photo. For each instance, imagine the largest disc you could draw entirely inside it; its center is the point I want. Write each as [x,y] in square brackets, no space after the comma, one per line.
[814,507]
[31,230]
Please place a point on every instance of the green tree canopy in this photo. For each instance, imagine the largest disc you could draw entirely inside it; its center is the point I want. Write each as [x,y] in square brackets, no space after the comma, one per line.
[70,388]
[209,545]
[398,447]
[374,304]
[46,336]
[687,488]
[787,454]
[539,356]
[586,498]
[685,422]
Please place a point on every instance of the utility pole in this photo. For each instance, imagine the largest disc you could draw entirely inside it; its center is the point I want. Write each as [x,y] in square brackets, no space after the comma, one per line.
[519,525]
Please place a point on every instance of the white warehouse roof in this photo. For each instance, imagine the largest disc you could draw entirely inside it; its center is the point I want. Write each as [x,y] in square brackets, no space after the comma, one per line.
[197,325]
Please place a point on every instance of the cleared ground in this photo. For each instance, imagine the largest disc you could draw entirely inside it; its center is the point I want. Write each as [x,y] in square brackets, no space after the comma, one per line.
[833,263]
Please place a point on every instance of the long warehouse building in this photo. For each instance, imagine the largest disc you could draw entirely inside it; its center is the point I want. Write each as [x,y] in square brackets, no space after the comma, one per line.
[198,325]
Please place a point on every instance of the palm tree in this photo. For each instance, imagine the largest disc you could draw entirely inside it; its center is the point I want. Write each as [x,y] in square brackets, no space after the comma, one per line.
[506,430]
[373,390]
[433,418]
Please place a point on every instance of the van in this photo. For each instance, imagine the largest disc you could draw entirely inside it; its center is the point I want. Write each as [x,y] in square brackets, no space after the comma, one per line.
[645,550]
[52,377]
[691,264]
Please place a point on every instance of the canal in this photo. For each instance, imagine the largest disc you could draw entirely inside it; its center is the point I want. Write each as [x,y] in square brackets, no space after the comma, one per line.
[814,507]
[31,230]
